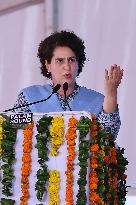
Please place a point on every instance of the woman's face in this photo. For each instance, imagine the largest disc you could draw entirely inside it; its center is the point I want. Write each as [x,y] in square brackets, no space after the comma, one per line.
[63,66]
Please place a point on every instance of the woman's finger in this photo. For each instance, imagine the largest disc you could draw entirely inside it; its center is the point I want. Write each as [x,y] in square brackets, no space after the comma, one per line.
[106,74]
[110,72]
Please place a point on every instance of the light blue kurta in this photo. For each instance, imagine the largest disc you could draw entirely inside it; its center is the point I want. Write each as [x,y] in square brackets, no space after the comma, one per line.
[85,100]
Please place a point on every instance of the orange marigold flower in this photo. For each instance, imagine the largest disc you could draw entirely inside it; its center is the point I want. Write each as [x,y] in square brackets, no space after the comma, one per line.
[107,159]
[93,116]
[72,122]
[70,158]
[94,196]
[70,137]
[94,147]
[94,166]
[93,133]
[93,186]
[113,150]
[93,127]
[94,180]
[94,157]
[114,159]
[93,174]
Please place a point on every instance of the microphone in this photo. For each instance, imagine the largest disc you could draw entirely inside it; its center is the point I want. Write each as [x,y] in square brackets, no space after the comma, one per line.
[65,88]
[55,89]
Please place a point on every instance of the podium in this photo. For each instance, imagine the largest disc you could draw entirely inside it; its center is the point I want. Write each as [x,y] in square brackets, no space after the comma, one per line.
[69,156]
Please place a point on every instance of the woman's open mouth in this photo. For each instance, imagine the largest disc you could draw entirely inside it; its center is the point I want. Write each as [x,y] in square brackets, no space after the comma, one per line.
[68,76]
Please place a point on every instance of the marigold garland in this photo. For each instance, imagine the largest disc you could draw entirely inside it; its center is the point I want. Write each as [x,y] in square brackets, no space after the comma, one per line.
[70,137]
[26,162]
[105,179]
[54,186]
[112,175]
[96,163]
[56,132]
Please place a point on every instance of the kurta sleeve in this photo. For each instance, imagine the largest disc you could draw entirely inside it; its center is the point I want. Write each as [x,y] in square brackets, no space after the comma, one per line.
[21,100]
[110,121]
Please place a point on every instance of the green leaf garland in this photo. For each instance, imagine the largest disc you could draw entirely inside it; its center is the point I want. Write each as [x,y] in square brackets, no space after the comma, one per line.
[83,126]
[42,137]
[8,156]
[7,201]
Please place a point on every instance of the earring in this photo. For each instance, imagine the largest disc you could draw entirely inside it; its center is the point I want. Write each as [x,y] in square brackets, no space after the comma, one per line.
[48,73]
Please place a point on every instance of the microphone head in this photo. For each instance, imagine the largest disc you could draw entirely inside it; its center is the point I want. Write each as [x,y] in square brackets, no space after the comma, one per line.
[56,88]
[65,86]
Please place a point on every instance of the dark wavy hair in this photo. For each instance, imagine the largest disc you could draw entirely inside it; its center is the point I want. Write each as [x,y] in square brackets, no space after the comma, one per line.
[61,39]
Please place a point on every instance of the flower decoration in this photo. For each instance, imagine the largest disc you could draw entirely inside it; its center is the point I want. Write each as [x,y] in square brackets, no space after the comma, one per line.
[56,132]
[54,186]
[70,137]
[107,186]
[26,162]
[107,178]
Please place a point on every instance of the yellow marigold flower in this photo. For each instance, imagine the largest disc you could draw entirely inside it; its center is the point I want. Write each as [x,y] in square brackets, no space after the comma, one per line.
[54,185]
[1,130]
[56,132]
[1,136]
[1,120]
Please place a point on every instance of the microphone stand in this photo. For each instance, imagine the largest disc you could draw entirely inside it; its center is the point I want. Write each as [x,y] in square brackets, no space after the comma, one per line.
[55,89]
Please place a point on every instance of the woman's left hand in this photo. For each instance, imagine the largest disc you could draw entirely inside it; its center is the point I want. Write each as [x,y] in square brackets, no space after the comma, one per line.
[113,78]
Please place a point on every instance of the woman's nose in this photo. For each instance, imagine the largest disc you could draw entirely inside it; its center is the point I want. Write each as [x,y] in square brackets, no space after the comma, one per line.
[67,65]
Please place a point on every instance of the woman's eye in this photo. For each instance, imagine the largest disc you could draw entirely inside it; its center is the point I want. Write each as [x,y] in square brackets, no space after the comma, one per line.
[73,60]
[59,60]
